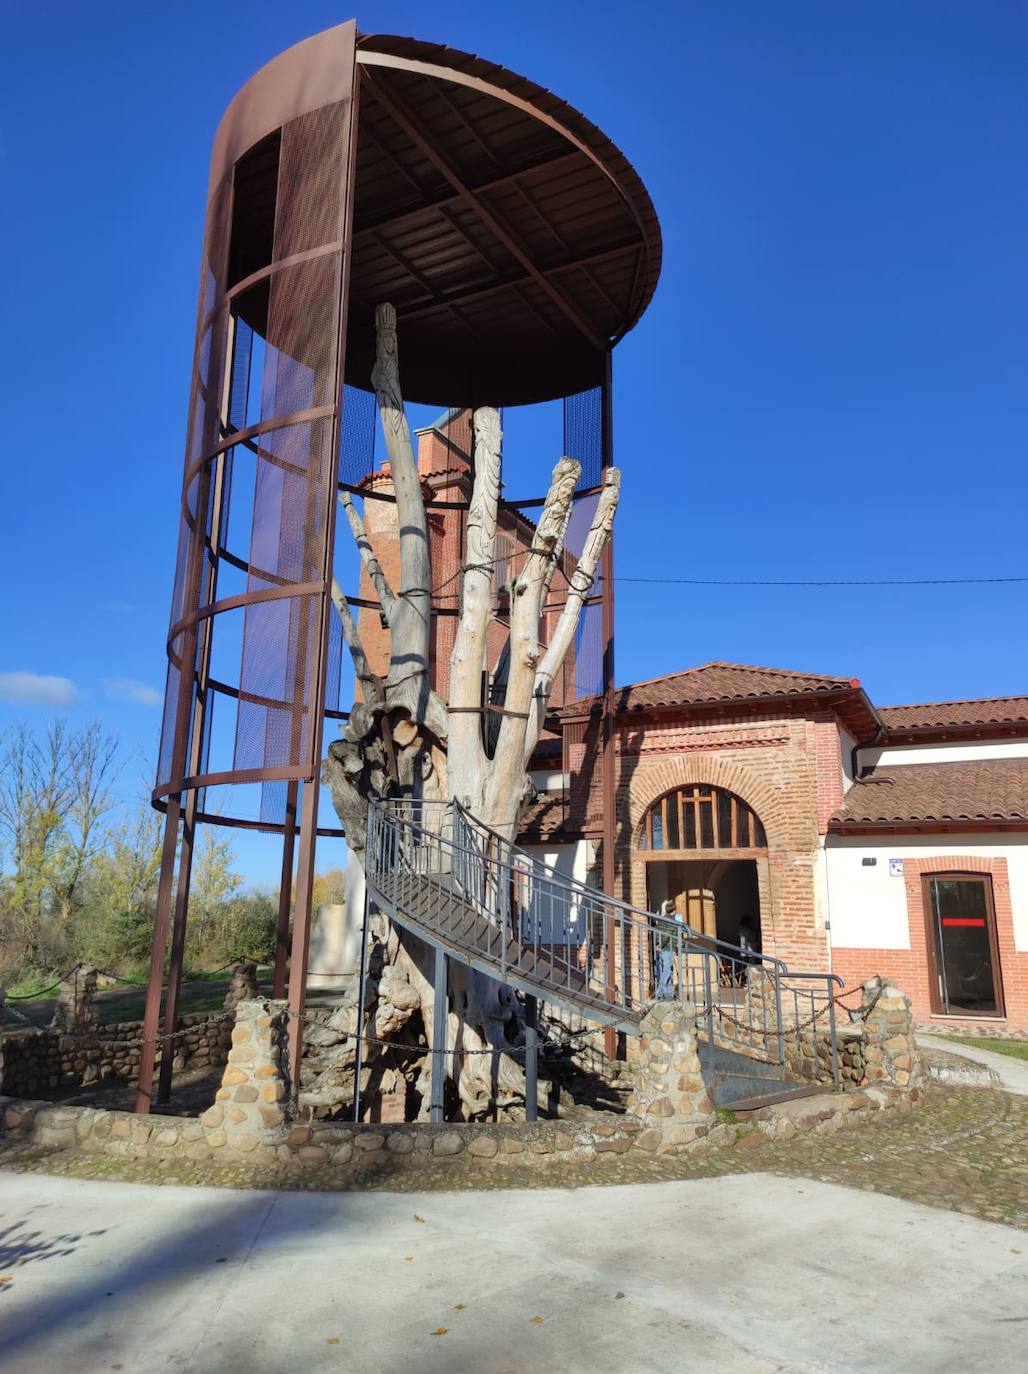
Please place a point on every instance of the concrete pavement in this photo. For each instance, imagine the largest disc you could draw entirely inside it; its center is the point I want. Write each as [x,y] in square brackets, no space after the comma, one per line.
[742,1274]
[1013,1073]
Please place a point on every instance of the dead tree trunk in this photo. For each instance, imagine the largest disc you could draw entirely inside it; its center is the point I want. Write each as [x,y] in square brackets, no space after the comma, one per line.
[403,739]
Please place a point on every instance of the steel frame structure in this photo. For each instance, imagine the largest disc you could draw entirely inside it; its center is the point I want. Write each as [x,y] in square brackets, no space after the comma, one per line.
[351,170]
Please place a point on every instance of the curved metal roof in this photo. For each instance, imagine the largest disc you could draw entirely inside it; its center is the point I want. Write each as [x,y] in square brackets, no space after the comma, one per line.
[515,240]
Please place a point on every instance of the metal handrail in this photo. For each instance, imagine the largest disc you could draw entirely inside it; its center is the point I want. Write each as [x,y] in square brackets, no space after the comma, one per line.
[445,869]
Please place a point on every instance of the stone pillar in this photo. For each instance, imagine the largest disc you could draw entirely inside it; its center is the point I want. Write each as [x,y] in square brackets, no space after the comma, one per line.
[670,1096]
[248,1113]
[76,1012]
[890,1048]
[242,983]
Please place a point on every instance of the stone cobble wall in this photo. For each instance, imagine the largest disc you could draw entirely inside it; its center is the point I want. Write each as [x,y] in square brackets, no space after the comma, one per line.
[34,1062]
[670,1111]
[891,1053]
[670,1099]
[248,1114]
[878,1048]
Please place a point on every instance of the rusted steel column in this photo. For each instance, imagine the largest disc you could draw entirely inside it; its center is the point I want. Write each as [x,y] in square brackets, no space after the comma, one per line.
[152,1014]
[285,892]
[309,796]
[609,779]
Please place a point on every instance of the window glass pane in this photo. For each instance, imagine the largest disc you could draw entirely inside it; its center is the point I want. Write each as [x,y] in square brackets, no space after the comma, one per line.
[724,819]
[743,827]
[690,825]
[961,910]
[674,839]
[706,825]
[658,830]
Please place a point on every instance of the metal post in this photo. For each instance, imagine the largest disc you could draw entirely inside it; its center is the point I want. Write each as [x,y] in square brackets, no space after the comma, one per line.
[440,1008]
[152,1014]
[832,1033]
[196,753]
[285,892]
[178,948]
[359,1065]
[608,761]
[300,946]
[531,1061]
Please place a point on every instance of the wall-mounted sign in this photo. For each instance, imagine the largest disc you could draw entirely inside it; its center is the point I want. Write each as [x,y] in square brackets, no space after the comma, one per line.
[895,868]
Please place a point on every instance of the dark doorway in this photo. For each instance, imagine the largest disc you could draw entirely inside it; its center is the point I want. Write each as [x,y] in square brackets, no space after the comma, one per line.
[962,951]
[717,897]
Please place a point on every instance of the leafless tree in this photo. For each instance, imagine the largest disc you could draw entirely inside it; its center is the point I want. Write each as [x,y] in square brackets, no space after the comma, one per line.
[403,738]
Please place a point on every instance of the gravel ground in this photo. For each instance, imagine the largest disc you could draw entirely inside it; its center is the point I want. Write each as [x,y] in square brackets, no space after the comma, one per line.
[966,1150]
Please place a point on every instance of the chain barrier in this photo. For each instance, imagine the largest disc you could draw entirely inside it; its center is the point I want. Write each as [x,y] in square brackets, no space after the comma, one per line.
[42,992]
[514,1051]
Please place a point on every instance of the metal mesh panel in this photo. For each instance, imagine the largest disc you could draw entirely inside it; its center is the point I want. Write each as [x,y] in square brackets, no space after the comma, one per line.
[299,362]
[273,802]
[216,244]
[239,387]
[583,433]
[310,180]
[164,754]
[357,435]
[280,638]
[334,663]
[585,670]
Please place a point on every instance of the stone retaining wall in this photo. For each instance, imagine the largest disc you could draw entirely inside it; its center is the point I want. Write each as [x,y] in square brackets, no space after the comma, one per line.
[38,1061]
[670,1099]
[670,1110]
[347,1149]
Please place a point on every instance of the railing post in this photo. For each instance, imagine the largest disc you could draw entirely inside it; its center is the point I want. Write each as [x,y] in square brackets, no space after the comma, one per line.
[439,1018]
[531,1061]
[779,1028]
[832,1033]
[503,880]
[359,1064]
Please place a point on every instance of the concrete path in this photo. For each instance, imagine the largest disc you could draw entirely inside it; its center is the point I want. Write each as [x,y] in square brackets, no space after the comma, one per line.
[740,1275]
[1013,1073]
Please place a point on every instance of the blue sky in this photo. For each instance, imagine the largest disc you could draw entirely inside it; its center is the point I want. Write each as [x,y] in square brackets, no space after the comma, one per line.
[830,382]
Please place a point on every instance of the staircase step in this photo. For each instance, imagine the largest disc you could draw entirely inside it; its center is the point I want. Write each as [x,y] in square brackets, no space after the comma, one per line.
[769,1098]
[719,1059]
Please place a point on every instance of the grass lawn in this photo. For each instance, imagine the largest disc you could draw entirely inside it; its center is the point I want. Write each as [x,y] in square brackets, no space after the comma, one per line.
[124,1001]
[1017,1049]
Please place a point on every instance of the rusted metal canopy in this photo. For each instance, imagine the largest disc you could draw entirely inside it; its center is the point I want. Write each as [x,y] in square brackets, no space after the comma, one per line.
[515,240]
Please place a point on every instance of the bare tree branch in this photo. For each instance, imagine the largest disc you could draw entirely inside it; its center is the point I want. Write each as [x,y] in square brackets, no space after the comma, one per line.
[372,566]
[506,785]
[468,660]
[581,583]
[408,682]
[370,684]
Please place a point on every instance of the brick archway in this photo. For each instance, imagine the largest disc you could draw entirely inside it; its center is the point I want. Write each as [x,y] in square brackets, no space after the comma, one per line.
[711,771]
[682,771]
[785,876]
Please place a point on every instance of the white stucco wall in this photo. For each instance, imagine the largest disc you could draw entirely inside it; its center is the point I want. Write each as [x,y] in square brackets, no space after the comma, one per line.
[868,907]
[336,934]
[846,743]
[896,755]
[550,780]
[568,861]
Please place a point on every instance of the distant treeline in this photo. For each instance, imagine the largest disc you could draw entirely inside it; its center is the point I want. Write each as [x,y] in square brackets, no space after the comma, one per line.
[79,866]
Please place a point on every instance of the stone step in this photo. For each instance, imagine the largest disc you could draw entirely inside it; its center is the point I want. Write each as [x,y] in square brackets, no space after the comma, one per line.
[718,1059]
[773,1093]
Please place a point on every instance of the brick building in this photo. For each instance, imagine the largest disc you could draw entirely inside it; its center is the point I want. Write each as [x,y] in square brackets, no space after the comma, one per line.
[850,837]
[844,836]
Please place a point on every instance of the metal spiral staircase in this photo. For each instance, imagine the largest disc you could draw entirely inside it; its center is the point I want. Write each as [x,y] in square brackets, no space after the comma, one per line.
[439,872]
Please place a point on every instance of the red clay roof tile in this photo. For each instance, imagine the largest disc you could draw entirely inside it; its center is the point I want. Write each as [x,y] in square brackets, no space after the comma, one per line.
[937,793]
[929,715]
